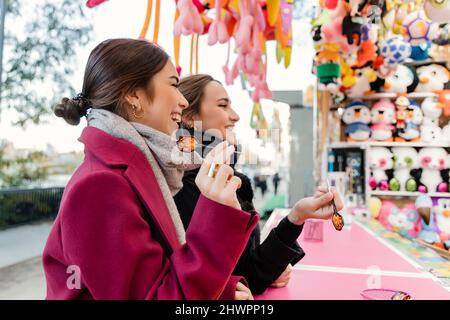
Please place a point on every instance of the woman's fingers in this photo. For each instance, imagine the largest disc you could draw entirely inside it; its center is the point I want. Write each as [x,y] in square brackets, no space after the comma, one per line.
[233,184]
[284,278]
[337,199]
[224,174]
[242,292]
[279,284]
[211,157]
[241,295]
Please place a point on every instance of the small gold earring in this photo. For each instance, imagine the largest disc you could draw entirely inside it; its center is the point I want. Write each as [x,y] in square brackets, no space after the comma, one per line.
[134,112]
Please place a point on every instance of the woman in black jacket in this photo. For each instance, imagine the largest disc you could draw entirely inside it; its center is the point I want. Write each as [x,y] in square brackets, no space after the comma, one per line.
[210,118]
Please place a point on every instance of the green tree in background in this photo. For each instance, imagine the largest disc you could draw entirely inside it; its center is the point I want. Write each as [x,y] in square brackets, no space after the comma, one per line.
[18,170]
[39,60]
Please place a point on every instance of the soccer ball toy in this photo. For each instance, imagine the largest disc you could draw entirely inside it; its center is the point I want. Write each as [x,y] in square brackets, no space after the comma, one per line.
[395,51]
[418,28]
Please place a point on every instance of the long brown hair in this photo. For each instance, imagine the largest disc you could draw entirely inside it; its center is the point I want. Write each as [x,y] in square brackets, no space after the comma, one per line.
[114,68]
[193,87]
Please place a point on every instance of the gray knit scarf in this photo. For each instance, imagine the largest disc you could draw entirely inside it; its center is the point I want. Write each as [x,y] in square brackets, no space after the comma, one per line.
[166,161]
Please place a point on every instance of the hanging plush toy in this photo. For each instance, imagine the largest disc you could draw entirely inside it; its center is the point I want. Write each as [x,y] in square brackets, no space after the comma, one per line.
[328,68]
[405,221]
[438,10]
[380,160]
[189,21]
[414,118]
[424,206]
[403,80]
[383,118]
[405,160]
[357,116]
[432,78]
[432,161]
[442,212]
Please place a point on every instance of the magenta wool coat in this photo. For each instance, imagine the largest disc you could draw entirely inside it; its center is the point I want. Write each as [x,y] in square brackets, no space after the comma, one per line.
[113,237]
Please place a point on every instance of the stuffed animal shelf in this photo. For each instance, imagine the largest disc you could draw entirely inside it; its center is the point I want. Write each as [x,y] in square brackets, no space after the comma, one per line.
[357,117]
[380,162]
[383,119]
[406,159]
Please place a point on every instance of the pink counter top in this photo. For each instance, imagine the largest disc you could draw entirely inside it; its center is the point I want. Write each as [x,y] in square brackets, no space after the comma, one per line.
[346,262]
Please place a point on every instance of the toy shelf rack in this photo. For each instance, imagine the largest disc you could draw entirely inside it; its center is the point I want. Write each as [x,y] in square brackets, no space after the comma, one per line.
[366,146]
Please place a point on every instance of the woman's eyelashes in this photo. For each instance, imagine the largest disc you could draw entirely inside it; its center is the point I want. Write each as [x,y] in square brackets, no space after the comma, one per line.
[222,105]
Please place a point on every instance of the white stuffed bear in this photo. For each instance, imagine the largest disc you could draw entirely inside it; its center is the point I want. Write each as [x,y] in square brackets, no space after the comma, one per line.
[432,77]
[405,159]
[380,160]
[432,161]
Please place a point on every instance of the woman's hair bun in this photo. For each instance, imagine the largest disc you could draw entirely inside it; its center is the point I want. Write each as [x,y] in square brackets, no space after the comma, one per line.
[72,110]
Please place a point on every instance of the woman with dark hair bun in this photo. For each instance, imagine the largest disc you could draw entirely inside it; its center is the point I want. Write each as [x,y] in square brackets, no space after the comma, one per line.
[118,233]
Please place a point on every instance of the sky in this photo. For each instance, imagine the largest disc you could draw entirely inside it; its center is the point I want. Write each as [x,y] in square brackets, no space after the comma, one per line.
[120,18]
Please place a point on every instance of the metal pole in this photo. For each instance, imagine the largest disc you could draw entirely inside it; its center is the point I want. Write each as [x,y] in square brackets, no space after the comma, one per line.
[2,34]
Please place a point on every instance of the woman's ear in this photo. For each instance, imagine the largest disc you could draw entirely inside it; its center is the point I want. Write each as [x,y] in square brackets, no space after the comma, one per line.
[137,99]
[132,99]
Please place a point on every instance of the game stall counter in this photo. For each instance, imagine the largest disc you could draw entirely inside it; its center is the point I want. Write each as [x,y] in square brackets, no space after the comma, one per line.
[346,262]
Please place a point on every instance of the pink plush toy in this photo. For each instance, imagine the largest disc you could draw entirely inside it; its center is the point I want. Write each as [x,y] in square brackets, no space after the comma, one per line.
[405,221]
[244,31]
[383,118]
[189,21]
[218,30]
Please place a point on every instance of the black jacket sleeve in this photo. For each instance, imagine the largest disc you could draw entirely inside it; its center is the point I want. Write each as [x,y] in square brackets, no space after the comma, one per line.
[261,264]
